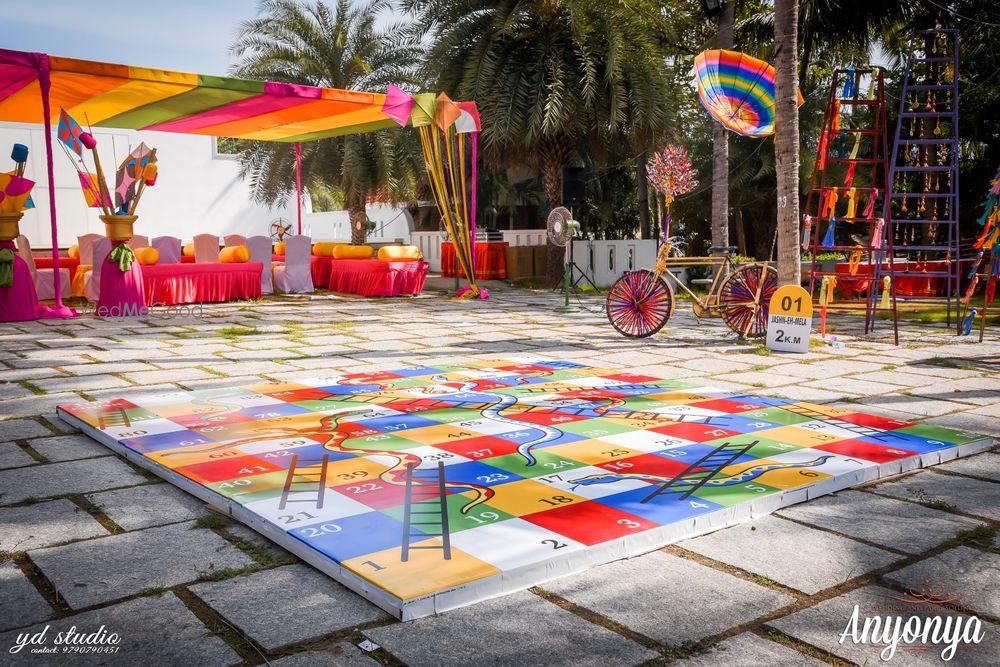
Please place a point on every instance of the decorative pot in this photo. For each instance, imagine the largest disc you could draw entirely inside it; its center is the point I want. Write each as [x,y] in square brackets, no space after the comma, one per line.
[9,229]
[119,227]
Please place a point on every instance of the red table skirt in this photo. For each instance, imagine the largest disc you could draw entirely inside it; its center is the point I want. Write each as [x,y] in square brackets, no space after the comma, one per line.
[187,259]
[905,285]
[319,266]
[373,277]
[171,284]
[70,263]
[491,261]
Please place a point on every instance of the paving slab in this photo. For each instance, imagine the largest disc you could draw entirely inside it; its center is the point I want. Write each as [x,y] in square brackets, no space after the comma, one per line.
[749,650]
[12,456]
[158,630]
[54,479]
[884,521]
[250,535]
[134,562]
[632,593]
[971,575]
[516,630]
[312,605]
[20,429]
[917,405]
[150,505]
[968,420]
[84,383]
[68,448]
[802,558]
[21,603]
[340,655]
[176,375]
[823,625]
[44,524]
[968,495]
[986,465]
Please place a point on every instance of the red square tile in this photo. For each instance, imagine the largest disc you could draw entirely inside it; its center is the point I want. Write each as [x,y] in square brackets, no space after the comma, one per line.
[875,421]
[694,432]
[859,449]
[544,418]
[728,406]
[589,522]
[232,467]
[482,447]
[646,464]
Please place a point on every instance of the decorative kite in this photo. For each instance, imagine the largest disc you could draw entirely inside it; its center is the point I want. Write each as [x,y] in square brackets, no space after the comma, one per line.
[738,90]
[129,173]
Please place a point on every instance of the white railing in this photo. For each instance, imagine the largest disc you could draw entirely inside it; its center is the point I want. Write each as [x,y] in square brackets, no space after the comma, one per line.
[429,244]
[518,237]
[605,261]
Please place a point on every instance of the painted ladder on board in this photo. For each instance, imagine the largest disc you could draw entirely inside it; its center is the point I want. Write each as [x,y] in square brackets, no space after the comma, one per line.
[698,473]
[423,515]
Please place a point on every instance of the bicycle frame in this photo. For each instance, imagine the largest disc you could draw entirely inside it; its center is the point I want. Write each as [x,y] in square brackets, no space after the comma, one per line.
[724,264]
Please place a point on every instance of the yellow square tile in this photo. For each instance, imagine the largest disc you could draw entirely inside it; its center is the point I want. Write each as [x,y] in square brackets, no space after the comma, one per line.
[527,497]
[781,478]
[802,437]
[350,471]
[822,409]
[432,435]
[592,452]
[426,571]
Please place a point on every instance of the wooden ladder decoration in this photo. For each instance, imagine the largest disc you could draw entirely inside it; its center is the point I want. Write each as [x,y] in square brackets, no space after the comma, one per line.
[701,471]
[306,481]
[420,513]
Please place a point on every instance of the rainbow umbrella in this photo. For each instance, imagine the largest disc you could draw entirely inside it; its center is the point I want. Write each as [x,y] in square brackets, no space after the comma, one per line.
[738,90]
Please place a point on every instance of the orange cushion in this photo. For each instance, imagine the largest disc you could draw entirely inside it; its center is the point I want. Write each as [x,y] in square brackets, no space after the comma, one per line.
[279,248]
[324,249]
[74,251]
[353,252]
[147,256]
[188,250]
[234,254]
[400,253]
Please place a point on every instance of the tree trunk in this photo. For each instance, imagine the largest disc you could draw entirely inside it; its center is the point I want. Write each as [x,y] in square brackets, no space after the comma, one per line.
[554,154]
[720,148]
[786,140]
[358,217]
[642,195]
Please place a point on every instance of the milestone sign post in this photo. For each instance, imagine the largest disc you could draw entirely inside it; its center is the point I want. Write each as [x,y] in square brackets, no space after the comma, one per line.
[789,320]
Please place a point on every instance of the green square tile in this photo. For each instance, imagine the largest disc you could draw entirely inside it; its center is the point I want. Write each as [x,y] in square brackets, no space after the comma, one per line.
[735,494]
[596,428]
[777,415]
[547,464]
[480,515]
[383,442]
[940,433]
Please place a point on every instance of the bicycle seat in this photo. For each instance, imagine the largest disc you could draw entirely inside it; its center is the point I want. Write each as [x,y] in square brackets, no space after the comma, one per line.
[727,249]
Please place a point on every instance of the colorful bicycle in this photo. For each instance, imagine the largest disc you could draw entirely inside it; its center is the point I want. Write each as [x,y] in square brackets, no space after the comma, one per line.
[641,302]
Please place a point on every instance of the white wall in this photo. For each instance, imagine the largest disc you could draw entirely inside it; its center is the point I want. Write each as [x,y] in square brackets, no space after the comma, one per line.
[391,224]
[195,192]
[605,261]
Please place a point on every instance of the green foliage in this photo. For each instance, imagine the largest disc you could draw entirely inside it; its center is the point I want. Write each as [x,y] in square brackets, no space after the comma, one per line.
[335,46]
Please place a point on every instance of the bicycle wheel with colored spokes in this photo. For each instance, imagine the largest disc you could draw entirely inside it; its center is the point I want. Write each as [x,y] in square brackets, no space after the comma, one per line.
[639,304]
[742,310]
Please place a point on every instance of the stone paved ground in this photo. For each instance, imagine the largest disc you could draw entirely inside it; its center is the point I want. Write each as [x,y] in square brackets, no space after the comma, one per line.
[87,539]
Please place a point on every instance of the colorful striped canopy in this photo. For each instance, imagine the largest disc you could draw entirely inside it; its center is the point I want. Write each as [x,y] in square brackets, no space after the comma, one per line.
[139,98]
[738,90]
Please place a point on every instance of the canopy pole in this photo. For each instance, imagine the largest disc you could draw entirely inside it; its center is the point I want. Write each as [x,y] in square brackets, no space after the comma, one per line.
[298,184]
[44,83]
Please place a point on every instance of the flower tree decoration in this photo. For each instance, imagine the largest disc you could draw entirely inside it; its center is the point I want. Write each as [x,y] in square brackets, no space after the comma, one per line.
[671,173]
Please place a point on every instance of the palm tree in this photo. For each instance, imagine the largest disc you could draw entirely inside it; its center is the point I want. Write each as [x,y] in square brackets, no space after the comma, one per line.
[550,77]
[334,47]
[786,139]
[720,142]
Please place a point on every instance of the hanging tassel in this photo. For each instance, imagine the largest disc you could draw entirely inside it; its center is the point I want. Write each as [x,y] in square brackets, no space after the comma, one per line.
[854,261]
[975,269]
[991,285]
[849,177]
[842,145]
[972,288]
[877,234]
[828,240]
[848,84]
[821,157]
[835,120]
[6,267]
[807,231]
[857,147]
[831,285]
[870,208]
[852,203]
[824,289]
[886,288]
[830,209]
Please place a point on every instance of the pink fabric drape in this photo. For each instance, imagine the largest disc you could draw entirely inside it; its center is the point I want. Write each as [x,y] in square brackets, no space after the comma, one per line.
[373,277]
[19,302]
[171,284]
[121,292]
[298,184]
